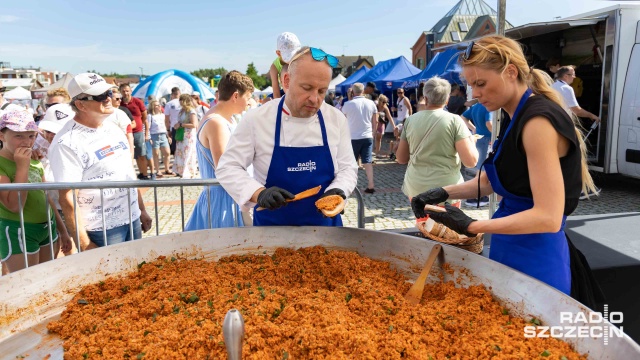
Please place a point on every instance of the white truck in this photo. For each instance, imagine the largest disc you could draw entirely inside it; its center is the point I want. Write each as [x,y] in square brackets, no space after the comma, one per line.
[604,45]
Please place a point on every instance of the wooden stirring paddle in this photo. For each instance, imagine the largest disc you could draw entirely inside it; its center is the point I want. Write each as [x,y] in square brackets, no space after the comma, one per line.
[415,293]
[302,195]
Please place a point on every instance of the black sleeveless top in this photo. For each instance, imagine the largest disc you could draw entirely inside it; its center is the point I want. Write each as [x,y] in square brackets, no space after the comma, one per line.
[512,165]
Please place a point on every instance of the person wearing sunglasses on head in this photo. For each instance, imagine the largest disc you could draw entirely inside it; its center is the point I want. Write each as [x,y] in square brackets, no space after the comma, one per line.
[294,143]
[86,149]
[538,165]
[4,104]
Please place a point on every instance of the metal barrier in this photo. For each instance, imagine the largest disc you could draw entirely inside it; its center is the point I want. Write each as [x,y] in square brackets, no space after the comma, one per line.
[102,185]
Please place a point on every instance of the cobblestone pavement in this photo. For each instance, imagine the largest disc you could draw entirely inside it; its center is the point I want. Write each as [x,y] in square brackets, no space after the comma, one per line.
[388,208]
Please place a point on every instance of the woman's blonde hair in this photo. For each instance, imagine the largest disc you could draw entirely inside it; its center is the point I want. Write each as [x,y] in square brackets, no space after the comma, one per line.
[496,53]
[152,107]
[383,99]
[186,103]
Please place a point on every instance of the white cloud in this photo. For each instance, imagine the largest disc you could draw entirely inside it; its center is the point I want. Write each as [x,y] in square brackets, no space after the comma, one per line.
[8,18]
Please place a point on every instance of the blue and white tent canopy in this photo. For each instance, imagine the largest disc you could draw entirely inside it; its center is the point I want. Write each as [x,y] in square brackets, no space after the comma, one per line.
[443,64]
[160,84]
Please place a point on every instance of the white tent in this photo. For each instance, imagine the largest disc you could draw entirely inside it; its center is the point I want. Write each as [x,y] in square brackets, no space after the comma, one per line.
[336,80]
[19,93]
[266,91]
[63,82]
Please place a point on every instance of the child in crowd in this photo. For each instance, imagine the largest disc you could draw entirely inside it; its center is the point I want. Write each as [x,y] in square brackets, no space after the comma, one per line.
[18,133]
[288,44]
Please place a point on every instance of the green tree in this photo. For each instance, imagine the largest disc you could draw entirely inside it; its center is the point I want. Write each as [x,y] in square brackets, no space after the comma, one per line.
[258,81]
[209,73]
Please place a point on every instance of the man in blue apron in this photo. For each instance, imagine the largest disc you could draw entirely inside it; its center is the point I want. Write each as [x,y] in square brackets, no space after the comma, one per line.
[294,143]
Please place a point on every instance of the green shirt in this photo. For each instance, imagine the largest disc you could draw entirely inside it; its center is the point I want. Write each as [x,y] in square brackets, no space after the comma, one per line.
[435,163]
[35,209]
[278,65]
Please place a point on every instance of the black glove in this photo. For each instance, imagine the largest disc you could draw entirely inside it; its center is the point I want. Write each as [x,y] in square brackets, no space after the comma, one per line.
[430,197]
[274,197]
[334,191]
[455,219]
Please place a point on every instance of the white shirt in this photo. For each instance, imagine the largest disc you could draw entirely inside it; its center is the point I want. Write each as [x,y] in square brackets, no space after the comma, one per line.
[359,113]
[254,140]
[121,119]
[403,111]
[80,154]
[566,91]
[156,124]
[41,144]
[172,109]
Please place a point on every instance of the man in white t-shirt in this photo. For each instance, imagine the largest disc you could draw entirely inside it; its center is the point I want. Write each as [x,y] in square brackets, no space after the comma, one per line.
[362,116]
[564,77]
[171,113]
[86,149]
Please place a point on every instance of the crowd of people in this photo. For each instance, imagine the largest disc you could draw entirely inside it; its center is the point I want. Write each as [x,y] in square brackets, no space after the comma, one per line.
[302,139]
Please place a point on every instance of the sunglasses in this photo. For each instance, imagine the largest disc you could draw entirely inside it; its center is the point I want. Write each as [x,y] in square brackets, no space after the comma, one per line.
[99,98]
[117,98]
[318,55]
[467,52]
[3,89]
[49,105]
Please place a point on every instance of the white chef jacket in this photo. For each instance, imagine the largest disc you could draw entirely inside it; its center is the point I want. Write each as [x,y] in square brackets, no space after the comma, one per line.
[254,140]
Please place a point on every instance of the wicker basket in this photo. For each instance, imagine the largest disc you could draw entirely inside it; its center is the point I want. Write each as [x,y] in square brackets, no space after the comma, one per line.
[447,236]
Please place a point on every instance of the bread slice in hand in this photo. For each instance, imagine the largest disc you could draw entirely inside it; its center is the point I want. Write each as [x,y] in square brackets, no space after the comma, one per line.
[331,205]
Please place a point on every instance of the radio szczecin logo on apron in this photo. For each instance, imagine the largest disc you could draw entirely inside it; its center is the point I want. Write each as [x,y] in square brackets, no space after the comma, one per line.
[307,166]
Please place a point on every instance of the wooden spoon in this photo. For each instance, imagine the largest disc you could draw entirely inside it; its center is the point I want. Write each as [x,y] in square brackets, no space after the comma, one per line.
[301,195]
[415,293]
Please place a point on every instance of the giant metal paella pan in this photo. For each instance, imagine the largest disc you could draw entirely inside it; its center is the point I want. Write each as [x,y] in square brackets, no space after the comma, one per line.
[29,299]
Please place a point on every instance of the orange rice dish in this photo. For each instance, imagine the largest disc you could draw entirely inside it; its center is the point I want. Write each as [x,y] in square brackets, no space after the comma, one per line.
[309,303]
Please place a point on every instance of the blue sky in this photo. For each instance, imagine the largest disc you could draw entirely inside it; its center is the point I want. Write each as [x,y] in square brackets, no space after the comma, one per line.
[124,35]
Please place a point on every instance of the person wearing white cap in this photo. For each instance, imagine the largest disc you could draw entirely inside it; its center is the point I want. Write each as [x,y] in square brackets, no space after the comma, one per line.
[53,121]
[92,149]
[287,45]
